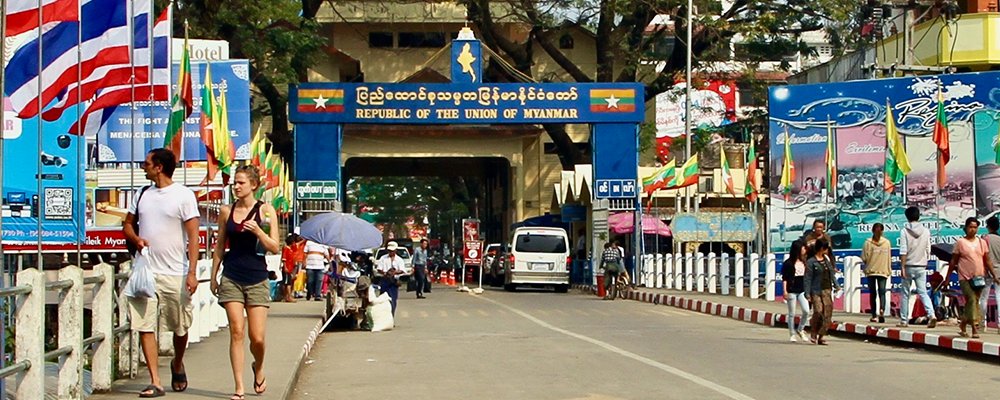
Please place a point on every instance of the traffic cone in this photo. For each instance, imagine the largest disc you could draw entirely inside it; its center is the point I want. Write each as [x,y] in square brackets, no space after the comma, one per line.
[451,278]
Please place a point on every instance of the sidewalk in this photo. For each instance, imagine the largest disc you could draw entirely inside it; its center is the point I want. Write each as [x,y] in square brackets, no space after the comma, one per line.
[291,331]
[762,312]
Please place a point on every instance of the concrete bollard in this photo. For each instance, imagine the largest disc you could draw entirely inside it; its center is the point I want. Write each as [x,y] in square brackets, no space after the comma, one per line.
[688,272]
[658,271]
[128,347]
[754,269]
[852,284]
[769,281]
[740,274]
[647,271]
[29,337]
[71,334]
[102,315]
[724,274]
[713,263]
[699,277]
[668,271]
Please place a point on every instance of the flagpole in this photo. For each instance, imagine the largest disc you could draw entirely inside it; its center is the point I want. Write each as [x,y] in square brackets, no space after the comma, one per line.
[184,120]
[38,161]
[3,134]
[82,138]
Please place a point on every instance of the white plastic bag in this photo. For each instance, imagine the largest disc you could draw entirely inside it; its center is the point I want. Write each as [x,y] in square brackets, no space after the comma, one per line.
[141,284]
[381,310]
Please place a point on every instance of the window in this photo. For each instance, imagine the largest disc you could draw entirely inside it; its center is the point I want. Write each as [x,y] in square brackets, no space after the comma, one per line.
[540,244]
[825,51]
[566,41]
[422,39]
[380,39]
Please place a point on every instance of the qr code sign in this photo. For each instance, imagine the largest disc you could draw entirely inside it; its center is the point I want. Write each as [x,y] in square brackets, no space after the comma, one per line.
[58,203]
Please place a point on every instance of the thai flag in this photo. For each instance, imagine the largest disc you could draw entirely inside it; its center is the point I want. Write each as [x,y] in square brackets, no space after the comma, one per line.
[111,75]
[22,15]
[105,41]
[101,108]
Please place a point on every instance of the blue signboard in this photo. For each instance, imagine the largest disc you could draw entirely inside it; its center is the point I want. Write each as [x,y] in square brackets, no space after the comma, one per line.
[232,76]
[317,156]
[854,115]
[60,204]
[466,103]
[616,160]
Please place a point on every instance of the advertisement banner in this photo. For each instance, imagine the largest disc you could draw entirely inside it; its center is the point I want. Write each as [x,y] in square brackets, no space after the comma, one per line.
[857,112]
[470,229]
[59,205]
[233,77]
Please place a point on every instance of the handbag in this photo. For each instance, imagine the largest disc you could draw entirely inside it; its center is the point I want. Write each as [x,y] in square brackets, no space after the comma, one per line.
[978,282]
[411,285]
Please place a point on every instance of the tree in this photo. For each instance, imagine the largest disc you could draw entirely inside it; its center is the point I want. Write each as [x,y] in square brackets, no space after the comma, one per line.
[622,40]
[280,38]
[394,201]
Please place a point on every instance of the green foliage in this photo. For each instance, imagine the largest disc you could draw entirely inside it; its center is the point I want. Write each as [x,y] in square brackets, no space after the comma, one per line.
[394,200]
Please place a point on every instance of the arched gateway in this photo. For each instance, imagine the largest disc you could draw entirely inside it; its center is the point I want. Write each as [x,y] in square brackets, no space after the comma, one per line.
[319,112]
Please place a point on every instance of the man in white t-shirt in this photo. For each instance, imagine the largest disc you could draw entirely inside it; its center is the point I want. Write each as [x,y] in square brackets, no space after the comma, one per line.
[389,266]
[317,256]
[167,215]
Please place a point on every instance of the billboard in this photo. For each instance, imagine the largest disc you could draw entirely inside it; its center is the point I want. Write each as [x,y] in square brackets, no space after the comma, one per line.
[115,142]
[52,196]
[856,112]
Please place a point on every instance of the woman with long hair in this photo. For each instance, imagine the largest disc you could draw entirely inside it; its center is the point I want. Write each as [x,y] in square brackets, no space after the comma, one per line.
[248,229]
[793,272]
[876,254]
[820,281]
[969,260]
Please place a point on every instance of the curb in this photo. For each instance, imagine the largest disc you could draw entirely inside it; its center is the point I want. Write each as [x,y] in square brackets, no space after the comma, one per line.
[306,348]
[948,342]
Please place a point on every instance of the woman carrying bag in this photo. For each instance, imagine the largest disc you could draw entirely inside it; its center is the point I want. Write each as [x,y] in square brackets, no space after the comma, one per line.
[876,254]
[969,259]
[245,228]
[820,282]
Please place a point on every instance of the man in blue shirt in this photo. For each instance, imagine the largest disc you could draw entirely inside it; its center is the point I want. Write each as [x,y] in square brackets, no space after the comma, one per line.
[420,268]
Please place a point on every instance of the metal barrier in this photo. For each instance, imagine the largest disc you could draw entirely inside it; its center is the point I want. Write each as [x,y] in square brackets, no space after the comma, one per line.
[29,314]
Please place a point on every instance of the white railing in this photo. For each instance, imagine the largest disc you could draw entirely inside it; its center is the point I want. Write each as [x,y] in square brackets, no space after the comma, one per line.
[102,283]
[740,275]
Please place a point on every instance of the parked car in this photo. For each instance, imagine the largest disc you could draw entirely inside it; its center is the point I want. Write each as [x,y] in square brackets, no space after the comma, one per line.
[539,256]
[493,263]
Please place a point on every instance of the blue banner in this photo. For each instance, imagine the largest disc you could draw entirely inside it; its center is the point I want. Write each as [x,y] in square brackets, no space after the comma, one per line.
[232,76]
[60,204]
[466,103]
[317,153]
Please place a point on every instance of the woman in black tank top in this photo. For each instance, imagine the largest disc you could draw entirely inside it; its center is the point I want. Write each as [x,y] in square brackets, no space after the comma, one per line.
[247,229]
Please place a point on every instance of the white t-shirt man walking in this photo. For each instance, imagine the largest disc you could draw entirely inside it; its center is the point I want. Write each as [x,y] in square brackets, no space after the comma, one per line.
[168,219]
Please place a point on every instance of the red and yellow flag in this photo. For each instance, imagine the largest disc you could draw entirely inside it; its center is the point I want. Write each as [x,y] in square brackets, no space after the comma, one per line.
[942,140]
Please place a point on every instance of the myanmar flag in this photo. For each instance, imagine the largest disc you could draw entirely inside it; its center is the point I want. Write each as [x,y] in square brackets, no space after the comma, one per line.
[321,100]
[787,169]
[751,188]
[897,165]
[659,178]
[208,124]
[687,175]
[612,100]
[225,151]
[942,140]
[181,105]
[727,176]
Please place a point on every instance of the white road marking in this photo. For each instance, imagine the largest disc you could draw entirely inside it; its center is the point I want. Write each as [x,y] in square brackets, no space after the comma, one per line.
[725,391]
[483,313]
[463,313]
[423,314]
[443,313]
[669,313]
[404,314]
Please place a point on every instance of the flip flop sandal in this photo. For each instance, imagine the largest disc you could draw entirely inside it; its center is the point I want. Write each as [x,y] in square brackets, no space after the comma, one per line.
[152,391]
[261,387]
[178,380]
[237,396]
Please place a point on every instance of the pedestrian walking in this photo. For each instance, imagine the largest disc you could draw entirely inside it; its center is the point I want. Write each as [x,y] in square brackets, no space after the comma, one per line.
[793,274]
[876,254]
[915,251]
[420,268]
[820,281]
[969,259]
[292,259]
[167,217]
[317,257]
[993,244]
[611,263]
[244,290]
[389,267]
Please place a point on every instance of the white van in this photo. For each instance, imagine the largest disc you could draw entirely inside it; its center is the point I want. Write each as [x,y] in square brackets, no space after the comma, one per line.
[538,257]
